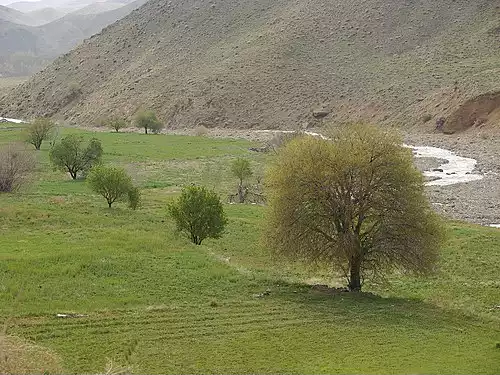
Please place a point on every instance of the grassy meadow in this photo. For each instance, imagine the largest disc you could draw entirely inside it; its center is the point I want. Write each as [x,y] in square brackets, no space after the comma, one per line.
[152,302]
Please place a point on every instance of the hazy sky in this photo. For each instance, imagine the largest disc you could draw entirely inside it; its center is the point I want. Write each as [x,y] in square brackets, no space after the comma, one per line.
[6,2]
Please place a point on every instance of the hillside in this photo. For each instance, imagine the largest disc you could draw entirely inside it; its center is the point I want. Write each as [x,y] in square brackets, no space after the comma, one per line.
[26,49]
[14,16]
[258,64]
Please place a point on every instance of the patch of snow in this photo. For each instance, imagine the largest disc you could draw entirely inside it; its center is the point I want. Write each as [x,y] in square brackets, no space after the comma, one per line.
[13,120]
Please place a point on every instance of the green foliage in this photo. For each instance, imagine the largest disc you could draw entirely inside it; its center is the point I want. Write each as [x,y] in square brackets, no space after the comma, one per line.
[134,280]
[113,183]
[134,198]
[73,156]
[241,169]
[147,120]
[39,130]
[116,124]
[356,203]
[199,213]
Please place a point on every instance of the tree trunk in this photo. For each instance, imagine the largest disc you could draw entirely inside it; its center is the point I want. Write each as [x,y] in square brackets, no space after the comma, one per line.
[146,130]
[73,175]
[355,274]
[241,194]
[109,204]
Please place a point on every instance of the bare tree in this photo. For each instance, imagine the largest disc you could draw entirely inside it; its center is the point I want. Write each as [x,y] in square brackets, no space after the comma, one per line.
[356,203]
[16,164]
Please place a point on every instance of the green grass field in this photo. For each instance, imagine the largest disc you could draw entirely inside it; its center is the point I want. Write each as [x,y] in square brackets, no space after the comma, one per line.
[155,303]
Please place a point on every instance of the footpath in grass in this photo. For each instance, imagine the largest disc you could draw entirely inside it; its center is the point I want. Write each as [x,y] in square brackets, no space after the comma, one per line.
[151,301]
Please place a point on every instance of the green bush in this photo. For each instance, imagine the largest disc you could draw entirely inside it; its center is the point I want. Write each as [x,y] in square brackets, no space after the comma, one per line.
[199,213]
[113,183]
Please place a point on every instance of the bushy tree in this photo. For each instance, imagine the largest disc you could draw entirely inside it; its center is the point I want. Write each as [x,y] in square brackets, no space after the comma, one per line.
[16,165]
[199,213]
[242,170]
[71,154]
[147,120]
[356,203]
[116,124]
[113,183]
[38,131]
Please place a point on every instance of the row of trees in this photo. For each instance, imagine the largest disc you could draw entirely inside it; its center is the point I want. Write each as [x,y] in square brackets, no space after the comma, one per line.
[42,129]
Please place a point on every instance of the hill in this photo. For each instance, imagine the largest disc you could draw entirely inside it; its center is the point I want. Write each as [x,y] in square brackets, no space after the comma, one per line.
[251,63]
[31,48]
[14,16]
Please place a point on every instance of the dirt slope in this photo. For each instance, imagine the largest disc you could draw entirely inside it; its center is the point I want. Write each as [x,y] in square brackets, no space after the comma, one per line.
[285,63]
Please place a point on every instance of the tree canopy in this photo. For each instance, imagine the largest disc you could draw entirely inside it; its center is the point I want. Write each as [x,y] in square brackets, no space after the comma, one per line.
[38,131]
[113,183]
[355,203]
[242,170]
[72,155]
[199,213]
[147,120]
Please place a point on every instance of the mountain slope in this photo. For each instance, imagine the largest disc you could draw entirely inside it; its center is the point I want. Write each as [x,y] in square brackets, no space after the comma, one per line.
[27,49]
[15,16]
[252,63]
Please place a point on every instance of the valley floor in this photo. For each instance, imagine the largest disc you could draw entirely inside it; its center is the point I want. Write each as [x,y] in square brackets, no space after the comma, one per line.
[139,297]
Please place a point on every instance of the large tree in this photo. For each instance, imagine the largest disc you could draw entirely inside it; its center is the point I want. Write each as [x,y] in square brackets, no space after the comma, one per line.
[355,202]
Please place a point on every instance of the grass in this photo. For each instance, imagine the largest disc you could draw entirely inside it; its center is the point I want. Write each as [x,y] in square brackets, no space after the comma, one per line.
[153,302]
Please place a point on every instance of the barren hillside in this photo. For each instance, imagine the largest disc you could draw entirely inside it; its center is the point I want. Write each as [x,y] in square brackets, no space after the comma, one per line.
[285,63]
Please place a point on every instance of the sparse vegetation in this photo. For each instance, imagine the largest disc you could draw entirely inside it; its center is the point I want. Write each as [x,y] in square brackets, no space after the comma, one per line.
[356,203]
[72,155]
[199,213]
[38,131]
[147,120]
[16,165]
[113,183]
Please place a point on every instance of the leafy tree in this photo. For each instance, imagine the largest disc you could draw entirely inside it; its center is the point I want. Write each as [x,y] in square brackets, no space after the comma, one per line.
[16,165]
[117,124]
[199,213]
[356,203]
[38,131]
[113,184]
[241,169]
[148,120]
[73,156]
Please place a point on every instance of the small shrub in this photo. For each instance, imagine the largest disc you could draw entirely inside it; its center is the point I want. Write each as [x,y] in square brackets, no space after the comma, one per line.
[281,139]
[134,198]
[16,165]
[199,213]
